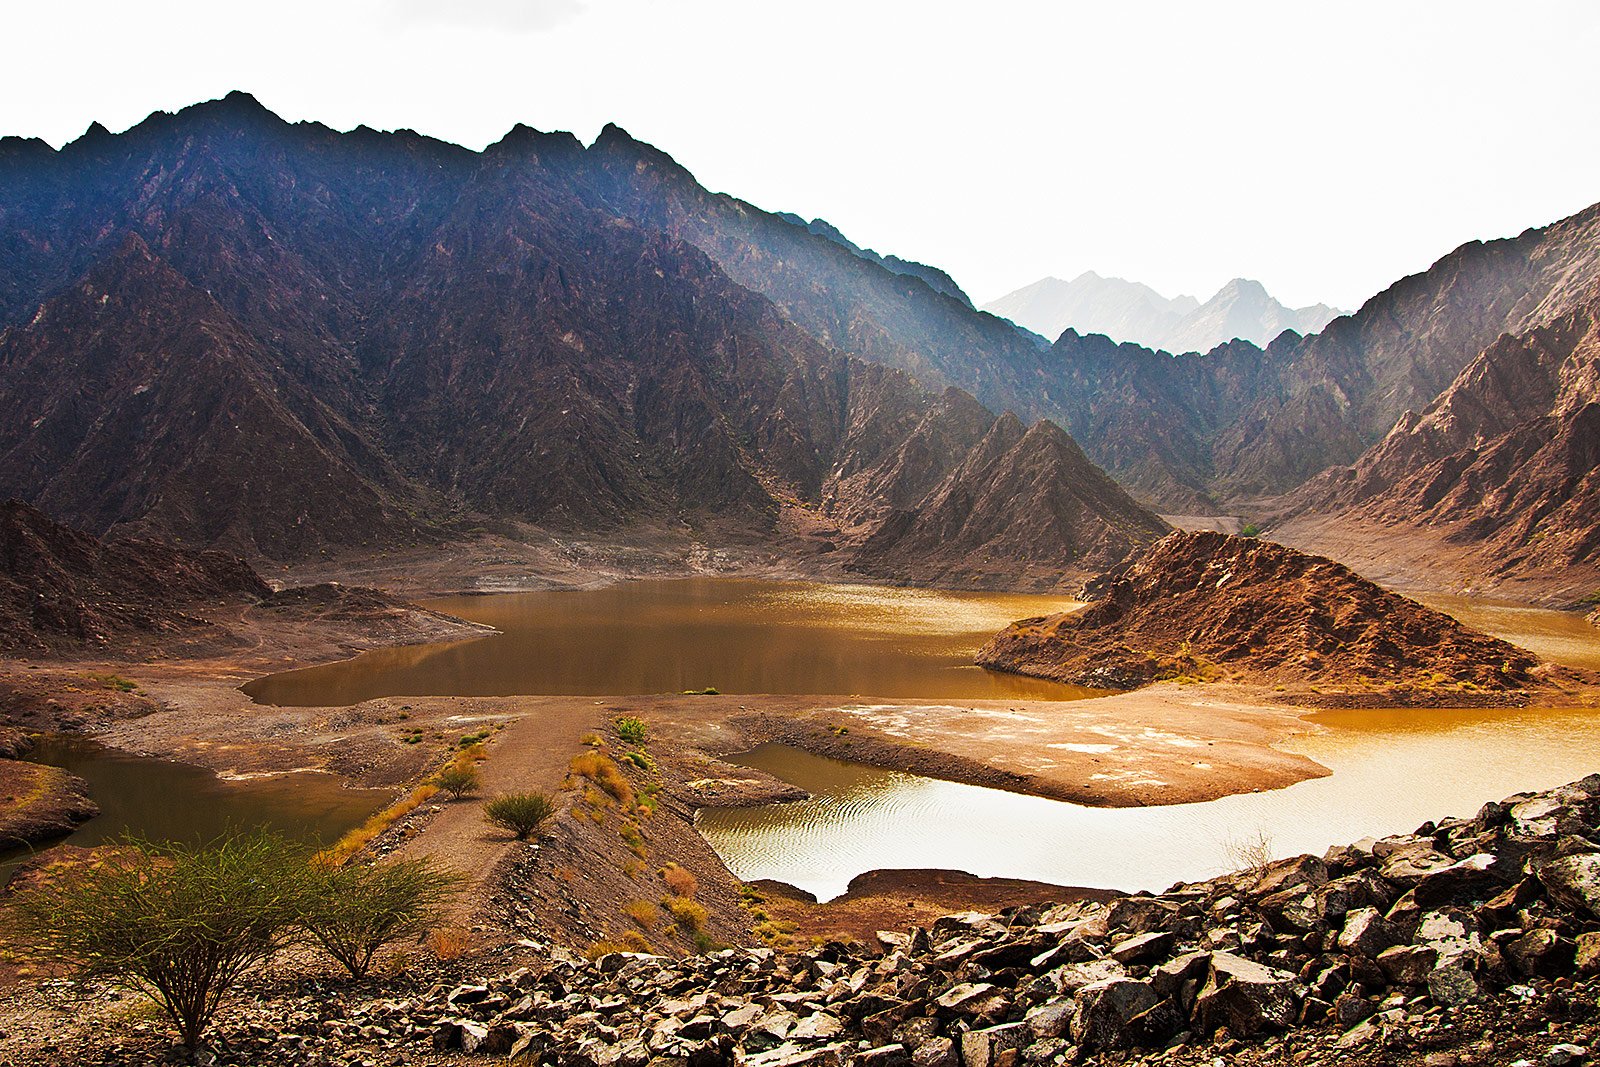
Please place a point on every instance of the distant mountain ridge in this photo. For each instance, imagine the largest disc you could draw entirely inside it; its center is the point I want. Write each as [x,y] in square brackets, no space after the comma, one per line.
[1133,312]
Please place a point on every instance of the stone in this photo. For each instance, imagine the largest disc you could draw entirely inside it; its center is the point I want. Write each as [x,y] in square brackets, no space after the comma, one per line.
[790,1055]
[1477,875]
[934,1052]
[1451,986]
[1246,997]
[1587,953]
[962,997]
[819,1026]
[1349,1009]
[981,1048]
[1408,964]
[1367,932]
[892,1055]
[1564,1054]
[1049,1020]
[1103,1011]
[1143,948]
[1536,952]
[1573,880]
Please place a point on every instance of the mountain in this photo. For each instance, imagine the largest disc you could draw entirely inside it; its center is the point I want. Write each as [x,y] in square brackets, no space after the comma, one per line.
[933,277]
[1022,494]
[1133,312]
[226,330]
[1504,464]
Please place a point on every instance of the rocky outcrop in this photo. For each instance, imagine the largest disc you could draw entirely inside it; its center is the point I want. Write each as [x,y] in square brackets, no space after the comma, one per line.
[1211,606]
[63,589]
[1473,938]
[64,592]
[38,803]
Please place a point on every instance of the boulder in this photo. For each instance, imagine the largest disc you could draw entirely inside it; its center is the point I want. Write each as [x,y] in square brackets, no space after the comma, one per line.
[1246,997]
[989,1047]
[1573,880]
[1367,932]
[1103,1013]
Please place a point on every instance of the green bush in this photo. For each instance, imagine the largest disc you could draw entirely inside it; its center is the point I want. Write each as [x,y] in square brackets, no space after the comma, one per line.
[1249,529]
[178,922]
[457,781]
[360,909]
[632,730]
[520,813]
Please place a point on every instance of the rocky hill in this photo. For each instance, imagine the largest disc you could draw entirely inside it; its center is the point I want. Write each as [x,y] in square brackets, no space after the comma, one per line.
[1505,463]
[1022,494]
[63,589]
[64,592]
[288,342]
[1210,606]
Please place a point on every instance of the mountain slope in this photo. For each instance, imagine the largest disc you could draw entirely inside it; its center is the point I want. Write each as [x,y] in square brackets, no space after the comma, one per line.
[1505,463]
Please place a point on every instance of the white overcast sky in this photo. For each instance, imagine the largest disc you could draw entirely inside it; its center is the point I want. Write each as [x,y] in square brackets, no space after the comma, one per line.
[1323,148]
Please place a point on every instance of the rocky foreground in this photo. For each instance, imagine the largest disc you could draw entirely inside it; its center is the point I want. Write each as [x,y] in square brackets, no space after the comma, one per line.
[1471,941]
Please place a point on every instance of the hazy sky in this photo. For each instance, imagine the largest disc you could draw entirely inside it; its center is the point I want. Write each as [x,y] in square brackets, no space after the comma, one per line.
[1324,148]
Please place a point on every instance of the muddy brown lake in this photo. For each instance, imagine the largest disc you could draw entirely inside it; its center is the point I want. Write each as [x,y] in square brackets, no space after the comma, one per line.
[733,635]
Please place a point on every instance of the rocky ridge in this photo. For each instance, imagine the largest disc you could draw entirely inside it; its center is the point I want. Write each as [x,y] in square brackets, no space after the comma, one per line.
[1474,940]
[1209,606]
[1503,462]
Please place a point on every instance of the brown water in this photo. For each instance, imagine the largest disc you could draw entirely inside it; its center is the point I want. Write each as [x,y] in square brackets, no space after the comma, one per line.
[1392,771]
[1559,636]
[734,635]
[165,801]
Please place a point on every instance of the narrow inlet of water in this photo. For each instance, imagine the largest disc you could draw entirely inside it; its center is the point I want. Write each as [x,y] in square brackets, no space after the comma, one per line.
[166,801]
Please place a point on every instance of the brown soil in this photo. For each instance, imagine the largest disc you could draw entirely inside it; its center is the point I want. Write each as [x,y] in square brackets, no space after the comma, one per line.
[1208,606]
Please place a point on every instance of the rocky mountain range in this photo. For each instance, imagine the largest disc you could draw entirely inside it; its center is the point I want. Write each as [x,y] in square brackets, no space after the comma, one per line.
[226,330]
[288,341]
[1134,312]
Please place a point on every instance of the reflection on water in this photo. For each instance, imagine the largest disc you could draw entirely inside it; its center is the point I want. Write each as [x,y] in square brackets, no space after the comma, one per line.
[1559,636]
[1392,771]
[166,801]
[737,635]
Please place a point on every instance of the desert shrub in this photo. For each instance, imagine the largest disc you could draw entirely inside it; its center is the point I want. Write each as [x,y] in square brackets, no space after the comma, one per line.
[449,942]
[1249,854]
[680,883]
[599,769]
[457,781]
[632,729]
[634,840]
[1249,529]
[520,813]
[686,913]
[181,923]
[358,910]
[642,912]
[640,759]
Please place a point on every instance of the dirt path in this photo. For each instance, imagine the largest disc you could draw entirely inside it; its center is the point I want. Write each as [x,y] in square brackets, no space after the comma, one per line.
[529,754]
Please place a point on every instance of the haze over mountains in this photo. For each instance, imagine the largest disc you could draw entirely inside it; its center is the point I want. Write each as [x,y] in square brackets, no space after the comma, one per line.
[228,330]
[1131,311]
